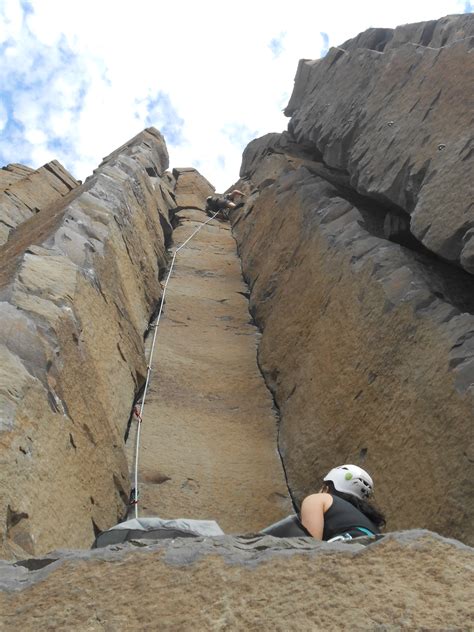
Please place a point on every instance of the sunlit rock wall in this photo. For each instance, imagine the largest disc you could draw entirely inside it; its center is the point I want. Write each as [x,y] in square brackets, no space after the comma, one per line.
[367,335]
[78,284]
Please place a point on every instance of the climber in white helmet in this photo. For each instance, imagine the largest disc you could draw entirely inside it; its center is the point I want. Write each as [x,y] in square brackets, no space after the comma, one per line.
[341,509]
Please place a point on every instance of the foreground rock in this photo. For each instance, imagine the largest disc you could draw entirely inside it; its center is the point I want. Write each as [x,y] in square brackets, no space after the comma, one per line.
[78,285]
[209,432]
[412,580]
[392,109]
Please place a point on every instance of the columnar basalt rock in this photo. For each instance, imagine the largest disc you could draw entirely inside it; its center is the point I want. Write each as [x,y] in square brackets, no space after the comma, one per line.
[352,222]
[393,111]
[208,437]
[367,336]
[79,283]
[25,191]
[191,188]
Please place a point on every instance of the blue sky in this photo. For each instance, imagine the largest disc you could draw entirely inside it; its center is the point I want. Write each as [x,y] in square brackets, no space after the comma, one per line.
[78,79]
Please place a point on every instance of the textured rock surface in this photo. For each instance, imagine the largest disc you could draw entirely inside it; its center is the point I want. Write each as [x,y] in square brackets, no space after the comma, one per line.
[367,345]
[209,432]
[367,337]
[191,188]
[25,191]
[408,581]
[78,284]
[393,111]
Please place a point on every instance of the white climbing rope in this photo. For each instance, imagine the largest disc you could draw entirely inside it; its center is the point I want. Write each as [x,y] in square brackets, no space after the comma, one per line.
[139,415]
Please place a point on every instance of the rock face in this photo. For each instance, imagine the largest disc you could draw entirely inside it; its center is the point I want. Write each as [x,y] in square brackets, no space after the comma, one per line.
[191,188]
[353,222]
[412,581]
[367,336]
[25,191]
[78,284]
[392,110]
[208,437]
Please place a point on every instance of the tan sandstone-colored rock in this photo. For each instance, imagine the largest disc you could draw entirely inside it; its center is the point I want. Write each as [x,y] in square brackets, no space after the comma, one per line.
[25,191]
[366,344]
[191,188]
[78,284]
[409,581]
[209,434]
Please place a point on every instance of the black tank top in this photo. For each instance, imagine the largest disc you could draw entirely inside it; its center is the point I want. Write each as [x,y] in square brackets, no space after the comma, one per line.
[342,517]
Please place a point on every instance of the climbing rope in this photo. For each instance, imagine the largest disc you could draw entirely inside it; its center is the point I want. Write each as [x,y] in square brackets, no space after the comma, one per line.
[138,411]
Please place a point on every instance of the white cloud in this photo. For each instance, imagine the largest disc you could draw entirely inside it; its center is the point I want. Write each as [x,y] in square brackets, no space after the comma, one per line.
[3,116]
[84,77]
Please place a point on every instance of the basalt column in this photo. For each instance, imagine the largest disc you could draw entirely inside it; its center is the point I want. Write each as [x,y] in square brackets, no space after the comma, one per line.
[78,285]
[209,432]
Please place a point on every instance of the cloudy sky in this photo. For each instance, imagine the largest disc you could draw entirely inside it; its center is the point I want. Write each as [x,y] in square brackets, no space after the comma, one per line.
[80,78]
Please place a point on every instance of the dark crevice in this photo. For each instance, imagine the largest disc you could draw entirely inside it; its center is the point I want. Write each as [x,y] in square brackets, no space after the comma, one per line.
[175,221]
[448,281]
[97,531]
[135,403]
[153,317]
[427,33]
[167,229]
[14,517]
[152,172]
[122,492]
[275,407]
[141,379]
[276,410]
[35,564]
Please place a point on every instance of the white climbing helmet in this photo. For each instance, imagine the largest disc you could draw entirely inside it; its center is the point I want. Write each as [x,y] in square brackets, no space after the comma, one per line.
[351,479]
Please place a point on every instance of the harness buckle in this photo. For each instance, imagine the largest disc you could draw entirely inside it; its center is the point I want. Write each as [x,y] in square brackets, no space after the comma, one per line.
[344,537]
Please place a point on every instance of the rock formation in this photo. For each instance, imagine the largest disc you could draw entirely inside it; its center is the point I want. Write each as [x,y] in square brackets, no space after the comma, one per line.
[367,326]
[78,285]
[355,241]
[409,581]
[392,111]
[25,191]
[209,431]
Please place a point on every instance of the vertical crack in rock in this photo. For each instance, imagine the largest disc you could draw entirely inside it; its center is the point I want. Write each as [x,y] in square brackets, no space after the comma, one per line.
[275,408]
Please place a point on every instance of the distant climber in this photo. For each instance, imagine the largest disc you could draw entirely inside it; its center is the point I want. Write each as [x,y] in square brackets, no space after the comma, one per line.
[339,511]
[222,204]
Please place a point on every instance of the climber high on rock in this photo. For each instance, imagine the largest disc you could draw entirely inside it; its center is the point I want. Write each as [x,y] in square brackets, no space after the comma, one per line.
[222,203]
[339,511]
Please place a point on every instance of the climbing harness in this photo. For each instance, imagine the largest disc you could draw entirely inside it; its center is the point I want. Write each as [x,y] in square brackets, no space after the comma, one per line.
[344,537]
[138,410]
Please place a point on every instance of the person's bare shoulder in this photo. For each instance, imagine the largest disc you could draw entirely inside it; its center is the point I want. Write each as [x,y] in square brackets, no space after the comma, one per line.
[321,499]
